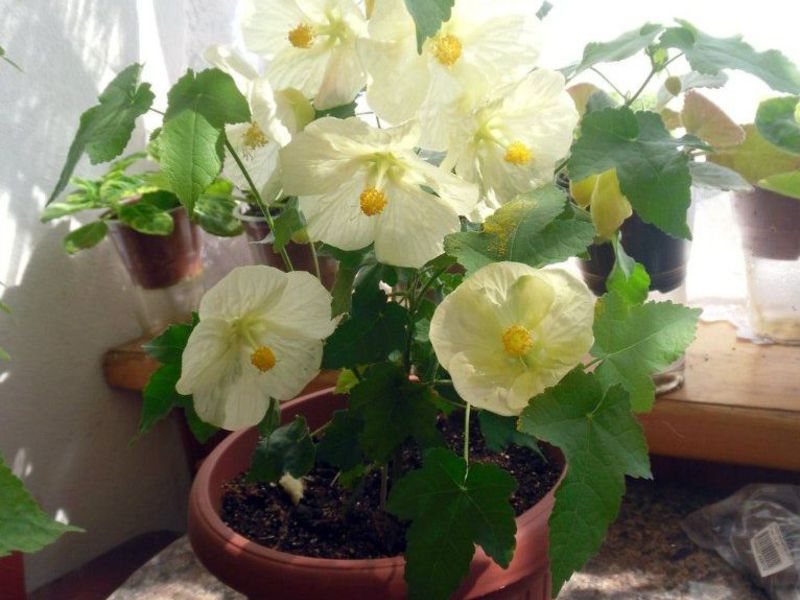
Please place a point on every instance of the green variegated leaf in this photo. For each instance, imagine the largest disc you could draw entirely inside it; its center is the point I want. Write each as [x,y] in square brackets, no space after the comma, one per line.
[626,45]
[85,237]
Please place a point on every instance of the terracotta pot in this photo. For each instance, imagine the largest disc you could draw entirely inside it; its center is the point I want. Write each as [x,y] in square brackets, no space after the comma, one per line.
[664,257]
[156,261]
[259,236]
[770,224]
[12,577]
[261,572]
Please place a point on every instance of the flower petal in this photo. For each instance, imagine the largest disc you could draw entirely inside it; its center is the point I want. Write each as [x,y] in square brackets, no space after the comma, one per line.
[410,231]
[244,292]
[303,309]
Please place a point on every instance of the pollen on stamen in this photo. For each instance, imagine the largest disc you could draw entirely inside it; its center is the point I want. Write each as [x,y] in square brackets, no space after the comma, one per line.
[302,36]
[447,49]
[263,359]
[372,201]
[517,341]
[254,138]
[518,153]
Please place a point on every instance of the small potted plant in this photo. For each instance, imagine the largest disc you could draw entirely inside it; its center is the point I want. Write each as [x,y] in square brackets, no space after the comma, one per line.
[468,450]
[159,244]
[769,216]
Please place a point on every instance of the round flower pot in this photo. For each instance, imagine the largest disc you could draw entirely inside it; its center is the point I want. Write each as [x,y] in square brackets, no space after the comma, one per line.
[664,257]
[261,572]
[260,238]
[167,271]
[12,577]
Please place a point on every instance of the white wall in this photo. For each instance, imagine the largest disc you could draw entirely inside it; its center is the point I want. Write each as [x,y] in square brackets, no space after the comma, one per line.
[64,431]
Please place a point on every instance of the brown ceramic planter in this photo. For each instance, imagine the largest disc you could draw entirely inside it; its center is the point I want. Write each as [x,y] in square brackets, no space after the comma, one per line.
[156,261]
[257,230]
[770,224]
[261,572]
[12,577]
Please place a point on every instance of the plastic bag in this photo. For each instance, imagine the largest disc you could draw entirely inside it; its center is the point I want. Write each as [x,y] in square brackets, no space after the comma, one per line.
[757,531]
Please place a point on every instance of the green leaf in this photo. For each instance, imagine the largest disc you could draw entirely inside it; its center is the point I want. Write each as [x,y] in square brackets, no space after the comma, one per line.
[146,218]
[4,355]
[777,121]
[501,432]
[191,155]
[602,443]
[538,228]
[346,381]
[160,397]
[707,54]
[544,10]
[428,17]
[106,128]
[24,527]
[169,346]
[452,508]
[714,176]
[367,336]
[288,449]
[217,215]
[344,111]
[58,210]
[635,342]
[5,307]
[756,158]
[210,93]
[337,447]
[289,222]
[393,409]
[85,237]
[787,184]
[653,172]
[349,265]
[628,279]
[624,46]
[201,430]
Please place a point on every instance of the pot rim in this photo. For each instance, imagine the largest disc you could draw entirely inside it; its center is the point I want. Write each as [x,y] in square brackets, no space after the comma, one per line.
[201,496]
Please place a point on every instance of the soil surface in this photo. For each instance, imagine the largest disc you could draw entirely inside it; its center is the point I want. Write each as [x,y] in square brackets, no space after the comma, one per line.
[331,522]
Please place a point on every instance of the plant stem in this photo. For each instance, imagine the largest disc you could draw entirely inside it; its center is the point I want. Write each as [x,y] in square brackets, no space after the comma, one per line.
[642,87]
[592,363]
[259,201]
[466,433]
[609,82]
[314,256]
[384,486]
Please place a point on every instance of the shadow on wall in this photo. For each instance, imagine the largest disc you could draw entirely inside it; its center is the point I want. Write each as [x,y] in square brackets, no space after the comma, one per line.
[66,431]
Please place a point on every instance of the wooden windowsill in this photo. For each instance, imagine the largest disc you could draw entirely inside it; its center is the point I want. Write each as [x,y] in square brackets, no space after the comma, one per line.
[740,402]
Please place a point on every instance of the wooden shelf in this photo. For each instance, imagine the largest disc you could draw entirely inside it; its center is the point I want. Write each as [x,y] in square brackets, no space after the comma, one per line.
[740,402]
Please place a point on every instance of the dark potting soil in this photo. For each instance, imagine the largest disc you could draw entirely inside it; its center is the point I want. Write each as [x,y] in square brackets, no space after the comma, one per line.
[331,522]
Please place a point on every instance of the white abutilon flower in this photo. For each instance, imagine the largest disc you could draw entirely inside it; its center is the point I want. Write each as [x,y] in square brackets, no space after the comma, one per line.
[511,145]
[310,45]
[274,119]
[510,331]
[484,44]
[358,185]
[259,339]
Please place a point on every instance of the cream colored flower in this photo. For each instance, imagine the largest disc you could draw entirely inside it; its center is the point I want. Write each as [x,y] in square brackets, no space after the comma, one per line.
[275,117]
[484,45]
[511,145]
[310,45]
[510,331]
[259,338]
[358,185]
